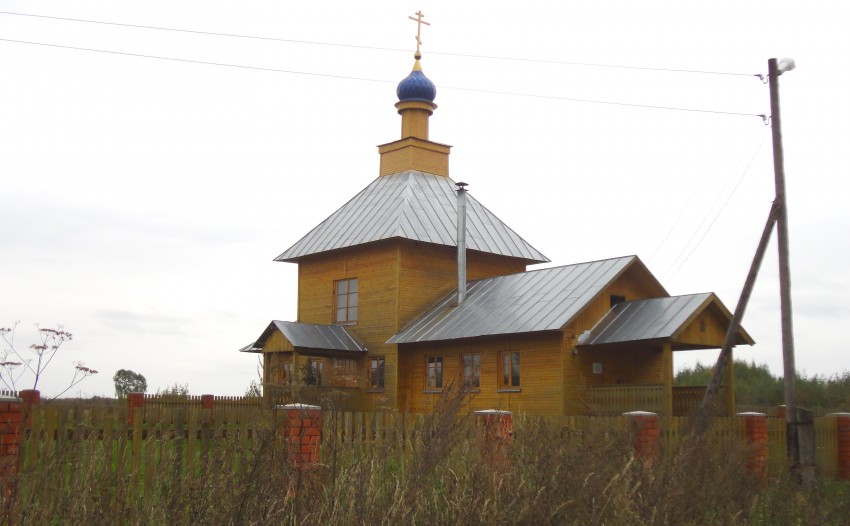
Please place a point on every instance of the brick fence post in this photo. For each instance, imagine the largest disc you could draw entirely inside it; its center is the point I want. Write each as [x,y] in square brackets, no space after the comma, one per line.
[208,402]
[134,400]
[498,433]
[302,433]
[780,412]
[755,428]
[11,424]
[842,425]
[30,398]
[644,425]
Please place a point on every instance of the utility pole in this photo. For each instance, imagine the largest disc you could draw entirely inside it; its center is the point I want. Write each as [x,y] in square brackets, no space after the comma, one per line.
[774,70]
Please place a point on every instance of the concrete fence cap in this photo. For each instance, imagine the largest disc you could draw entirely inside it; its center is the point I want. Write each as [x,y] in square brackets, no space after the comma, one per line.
[640,413]
[751,413]
[485,412]
[10,399]
[301,407]
[839,414]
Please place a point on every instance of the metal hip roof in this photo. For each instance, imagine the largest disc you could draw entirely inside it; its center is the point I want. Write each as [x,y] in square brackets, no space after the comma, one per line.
[411,205]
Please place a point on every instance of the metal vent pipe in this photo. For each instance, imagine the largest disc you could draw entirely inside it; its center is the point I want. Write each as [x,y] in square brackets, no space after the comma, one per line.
[461,242]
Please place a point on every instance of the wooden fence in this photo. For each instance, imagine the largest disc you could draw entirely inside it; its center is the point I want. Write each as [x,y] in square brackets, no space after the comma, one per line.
[618,399]
[140,442]
[202,401]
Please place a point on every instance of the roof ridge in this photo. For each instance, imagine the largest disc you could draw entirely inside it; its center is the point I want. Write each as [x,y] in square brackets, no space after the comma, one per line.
[515,303]
[524,272]
[674,297]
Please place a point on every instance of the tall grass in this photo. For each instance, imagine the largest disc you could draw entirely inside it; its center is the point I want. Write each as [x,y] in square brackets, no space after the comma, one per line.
[445,474]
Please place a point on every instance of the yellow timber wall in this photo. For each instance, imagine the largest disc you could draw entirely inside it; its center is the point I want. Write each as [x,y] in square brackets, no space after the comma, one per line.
[397,280]
[645,366]
[540,390]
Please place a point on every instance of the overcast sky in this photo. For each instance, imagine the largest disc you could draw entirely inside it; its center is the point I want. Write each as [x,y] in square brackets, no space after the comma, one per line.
[143,200]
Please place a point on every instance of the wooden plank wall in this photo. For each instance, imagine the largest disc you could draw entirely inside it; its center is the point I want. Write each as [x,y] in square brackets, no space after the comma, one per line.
[644,366]
[375,267]
[398,280]
[540,381]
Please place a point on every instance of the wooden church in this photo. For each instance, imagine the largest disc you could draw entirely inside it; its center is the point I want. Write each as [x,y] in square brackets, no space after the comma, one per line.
[413,287]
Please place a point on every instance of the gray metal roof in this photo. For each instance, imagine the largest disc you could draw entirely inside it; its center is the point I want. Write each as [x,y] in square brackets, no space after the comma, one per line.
[411,205]
[311,336]
[251,347]
[538,300]
[650,319]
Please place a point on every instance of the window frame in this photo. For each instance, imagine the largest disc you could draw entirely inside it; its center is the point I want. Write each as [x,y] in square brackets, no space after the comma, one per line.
[318,367]
[377,386]
[438,363]
[510,371]
[616,299]
[349,304]
[475,372]
[344,372]
[288,368]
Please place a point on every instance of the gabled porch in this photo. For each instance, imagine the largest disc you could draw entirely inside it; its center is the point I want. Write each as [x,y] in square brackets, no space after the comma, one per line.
[310,362]
[630,354]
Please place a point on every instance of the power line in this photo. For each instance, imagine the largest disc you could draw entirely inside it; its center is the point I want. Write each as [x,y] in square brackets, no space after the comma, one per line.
[706,173]
[611,103]
[720,211]
[192,61]
[707,217]
[348,77]
[378,48]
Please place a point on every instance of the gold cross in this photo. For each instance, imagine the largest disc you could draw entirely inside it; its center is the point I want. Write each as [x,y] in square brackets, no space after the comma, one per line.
[419,23]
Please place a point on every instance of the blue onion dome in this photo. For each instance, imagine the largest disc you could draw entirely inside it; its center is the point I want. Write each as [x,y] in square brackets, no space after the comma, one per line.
[416,86]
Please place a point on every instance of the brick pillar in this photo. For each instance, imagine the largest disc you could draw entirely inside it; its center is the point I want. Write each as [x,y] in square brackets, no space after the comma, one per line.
[780,412]
[301,428]
[134,400]
[644,426]
[842,424]
[755,427]
[30,398]
[208,402]
[498,433]
[11,420]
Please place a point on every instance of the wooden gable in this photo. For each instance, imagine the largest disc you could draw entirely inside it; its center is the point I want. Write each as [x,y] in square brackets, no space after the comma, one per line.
[707,328]
[634,283]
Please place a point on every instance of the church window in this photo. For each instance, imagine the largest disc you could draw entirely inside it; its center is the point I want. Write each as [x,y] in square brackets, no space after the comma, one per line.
[510,374]
[345,294]
[376,373]
[434,376]
[471,371]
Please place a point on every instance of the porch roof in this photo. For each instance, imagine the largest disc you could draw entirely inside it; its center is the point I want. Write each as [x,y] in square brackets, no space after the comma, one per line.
[654,319]
[309,336]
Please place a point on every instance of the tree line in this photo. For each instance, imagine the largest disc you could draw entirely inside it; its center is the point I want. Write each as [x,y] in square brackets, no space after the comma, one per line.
[756,386]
